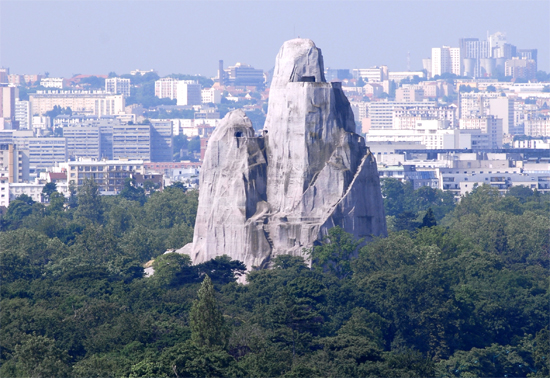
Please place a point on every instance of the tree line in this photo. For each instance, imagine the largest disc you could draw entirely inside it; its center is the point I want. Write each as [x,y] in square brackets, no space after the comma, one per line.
[462,292]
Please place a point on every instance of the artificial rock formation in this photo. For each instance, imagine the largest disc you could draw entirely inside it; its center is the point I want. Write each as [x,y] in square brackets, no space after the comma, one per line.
[279,193]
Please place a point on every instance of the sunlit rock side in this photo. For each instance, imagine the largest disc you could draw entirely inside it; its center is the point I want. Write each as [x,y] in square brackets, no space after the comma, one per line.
[320,173]
[232,196]
[280,193]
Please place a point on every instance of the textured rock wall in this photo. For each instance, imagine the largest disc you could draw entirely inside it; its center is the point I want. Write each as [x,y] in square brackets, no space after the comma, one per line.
[280,193]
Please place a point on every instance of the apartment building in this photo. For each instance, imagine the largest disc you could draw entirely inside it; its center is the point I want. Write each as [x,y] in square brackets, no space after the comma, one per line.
[14,162]
[161,140]
[211,96]
[372,75]
[132,142]
[380,113]
[400,114]
[4,187]
[83,141]
[23,114]
[166,87]
[409,93]
[537,127]
[188,93]
[46,152]
[117,85]
[82,102]
[521,68]
[488,125]
[430,133]
[109,175]
[446,60]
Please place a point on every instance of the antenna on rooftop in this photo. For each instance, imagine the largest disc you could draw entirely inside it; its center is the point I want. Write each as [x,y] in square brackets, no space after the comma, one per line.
[408,60]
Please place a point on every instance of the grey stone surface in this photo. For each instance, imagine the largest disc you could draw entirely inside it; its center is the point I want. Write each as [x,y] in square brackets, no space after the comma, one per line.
[309,171]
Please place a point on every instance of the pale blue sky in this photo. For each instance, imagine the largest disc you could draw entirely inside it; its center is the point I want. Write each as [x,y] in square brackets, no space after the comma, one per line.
[96,37]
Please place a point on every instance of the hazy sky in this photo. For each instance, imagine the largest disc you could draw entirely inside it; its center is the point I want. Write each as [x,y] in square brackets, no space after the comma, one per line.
[97,37]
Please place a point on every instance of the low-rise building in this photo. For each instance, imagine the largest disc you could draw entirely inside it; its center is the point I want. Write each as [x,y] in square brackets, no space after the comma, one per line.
[109,175]
[31,189]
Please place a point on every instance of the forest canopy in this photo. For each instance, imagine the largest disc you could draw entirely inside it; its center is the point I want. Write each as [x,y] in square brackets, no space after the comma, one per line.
[455,290]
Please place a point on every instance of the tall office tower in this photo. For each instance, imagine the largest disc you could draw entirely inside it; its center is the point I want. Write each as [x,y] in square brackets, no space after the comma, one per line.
[166,87]
[161,140]
[23,114]
[117,85]
[189,92]
[446,60]
[132,142]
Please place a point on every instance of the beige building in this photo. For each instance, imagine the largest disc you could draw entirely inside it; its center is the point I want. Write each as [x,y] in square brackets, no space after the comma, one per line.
[488,125]
[14,162]
[409,93]
[537,127]
[83,102]
[108,174]
[521,68]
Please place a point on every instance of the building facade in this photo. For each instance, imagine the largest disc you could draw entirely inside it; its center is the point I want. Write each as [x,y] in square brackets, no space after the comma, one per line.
[117,85]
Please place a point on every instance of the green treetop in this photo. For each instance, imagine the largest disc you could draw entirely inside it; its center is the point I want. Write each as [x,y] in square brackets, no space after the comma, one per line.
[207,323]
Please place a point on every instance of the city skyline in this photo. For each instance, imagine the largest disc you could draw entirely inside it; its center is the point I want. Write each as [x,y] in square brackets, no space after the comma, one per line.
[121,36]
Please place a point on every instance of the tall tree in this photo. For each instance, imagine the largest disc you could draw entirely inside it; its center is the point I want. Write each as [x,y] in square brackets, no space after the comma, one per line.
[336,251]
[208,327]
[429,219]
[89,202]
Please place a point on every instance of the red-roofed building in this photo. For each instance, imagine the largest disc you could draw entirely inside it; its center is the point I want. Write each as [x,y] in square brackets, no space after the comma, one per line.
[57,176]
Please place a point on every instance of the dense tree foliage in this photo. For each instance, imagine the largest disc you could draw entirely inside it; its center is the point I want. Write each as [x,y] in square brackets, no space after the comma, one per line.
[462,291]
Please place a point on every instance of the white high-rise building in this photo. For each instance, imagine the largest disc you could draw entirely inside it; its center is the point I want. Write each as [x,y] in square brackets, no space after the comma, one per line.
[117,85]
[189,92]
[23,114]
[446,60]
[211,96]
[497,41]
[166,87]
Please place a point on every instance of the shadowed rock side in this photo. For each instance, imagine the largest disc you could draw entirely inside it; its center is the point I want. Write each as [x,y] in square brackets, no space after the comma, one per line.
[261,197]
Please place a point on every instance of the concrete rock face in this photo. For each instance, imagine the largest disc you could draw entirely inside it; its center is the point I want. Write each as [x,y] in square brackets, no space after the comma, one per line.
[309,171]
